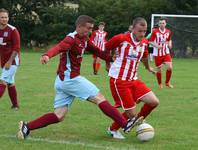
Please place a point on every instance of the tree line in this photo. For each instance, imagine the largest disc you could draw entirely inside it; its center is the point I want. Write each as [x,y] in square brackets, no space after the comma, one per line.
[48,21]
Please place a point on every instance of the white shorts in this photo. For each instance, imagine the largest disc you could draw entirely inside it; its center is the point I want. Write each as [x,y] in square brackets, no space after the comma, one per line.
[8,75]
[68,89]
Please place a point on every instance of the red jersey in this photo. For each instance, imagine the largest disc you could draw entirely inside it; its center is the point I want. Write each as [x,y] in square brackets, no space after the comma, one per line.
[161,38]
[99,38]
[71,50]
[129,53]
[9,42]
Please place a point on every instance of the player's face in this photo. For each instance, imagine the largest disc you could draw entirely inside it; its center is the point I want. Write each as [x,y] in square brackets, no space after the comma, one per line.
[139,31]
[101,27]
[4,18]
[162,24]
[85,30]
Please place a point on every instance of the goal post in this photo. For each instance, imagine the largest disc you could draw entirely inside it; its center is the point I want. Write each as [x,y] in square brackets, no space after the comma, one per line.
[184,33]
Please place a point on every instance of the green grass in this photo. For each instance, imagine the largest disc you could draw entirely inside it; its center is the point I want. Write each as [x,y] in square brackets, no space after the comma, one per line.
[175,120]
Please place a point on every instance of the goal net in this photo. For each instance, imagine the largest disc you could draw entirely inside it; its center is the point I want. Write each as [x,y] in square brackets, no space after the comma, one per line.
[184,33]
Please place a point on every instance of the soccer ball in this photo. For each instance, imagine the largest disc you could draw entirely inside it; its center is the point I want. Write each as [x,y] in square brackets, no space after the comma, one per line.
[145,132]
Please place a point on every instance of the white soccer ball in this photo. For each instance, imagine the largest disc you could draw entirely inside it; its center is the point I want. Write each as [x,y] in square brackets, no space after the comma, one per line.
[145,132]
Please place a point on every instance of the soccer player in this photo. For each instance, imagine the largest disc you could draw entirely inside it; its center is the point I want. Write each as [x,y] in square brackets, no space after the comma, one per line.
[99,37]
[161,40]
[9,56]
[69,84]
[126,88]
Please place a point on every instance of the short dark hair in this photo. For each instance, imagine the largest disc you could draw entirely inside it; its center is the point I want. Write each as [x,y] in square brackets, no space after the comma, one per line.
[163,18]
[83,19]
[4,10]
[101,23]
[139,20]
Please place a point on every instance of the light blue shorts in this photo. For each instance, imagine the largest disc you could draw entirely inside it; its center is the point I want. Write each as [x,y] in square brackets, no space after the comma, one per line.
[68,89]
[8,75]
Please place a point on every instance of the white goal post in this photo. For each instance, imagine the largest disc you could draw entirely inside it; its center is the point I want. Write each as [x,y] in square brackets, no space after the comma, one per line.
[170,15]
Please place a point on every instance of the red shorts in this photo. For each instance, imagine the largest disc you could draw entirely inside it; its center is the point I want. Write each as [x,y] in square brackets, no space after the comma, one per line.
[127,93]
[159,60]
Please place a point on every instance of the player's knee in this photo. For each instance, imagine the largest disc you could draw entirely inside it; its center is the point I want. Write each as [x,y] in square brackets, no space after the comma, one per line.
[99,98]
[3,82]
[155,102]
[60,113]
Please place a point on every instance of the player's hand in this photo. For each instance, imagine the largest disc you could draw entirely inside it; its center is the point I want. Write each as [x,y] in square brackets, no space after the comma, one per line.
[159,47]
[44,59]
[169,46]
[7,65]
[152,70]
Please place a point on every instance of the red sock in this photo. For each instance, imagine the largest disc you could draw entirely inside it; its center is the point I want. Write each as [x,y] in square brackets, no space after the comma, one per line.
[145,110]
[168,75]
[2,89]
[94,67]
[159,77]
[43,121]
[113,113]
[115,125]
[13,95]
[97,67]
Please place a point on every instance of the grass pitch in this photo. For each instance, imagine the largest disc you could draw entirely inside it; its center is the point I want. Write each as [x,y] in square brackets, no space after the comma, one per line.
[84,128]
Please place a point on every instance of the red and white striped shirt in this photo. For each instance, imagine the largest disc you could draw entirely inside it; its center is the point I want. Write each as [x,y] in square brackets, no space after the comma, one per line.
[161,38]
[99,38]
[128,55]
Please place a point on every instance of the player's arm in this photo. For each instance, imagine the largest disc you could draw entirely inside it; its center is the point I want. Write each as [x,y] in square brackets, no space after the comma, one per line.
[169,41]
[155,45]
[145,61]
[151,40]
[63,46]
[15,38]
[170,44]
[105,55]
[92,36]
[109,46]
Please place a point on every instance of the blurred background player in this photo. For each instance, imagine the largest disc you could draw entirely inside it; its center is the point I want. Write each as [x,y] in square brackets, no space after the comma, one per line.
[9,57]
[99,38]
[150,47]
[69,84]
[161,40]
[126,88]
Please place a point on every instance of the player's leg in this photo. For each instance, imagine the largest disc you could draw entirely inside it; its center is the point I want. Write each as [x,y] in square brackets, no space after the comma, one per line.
[144,94]
[94,64]
[40,122]
[12,92]
[158,64]
[150,49]
[2,87]
[168,63]
[8,77]
[108,109]
[123,95]
[61,103]
[150,103]
[98,63]
[88,91]
[107,66]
